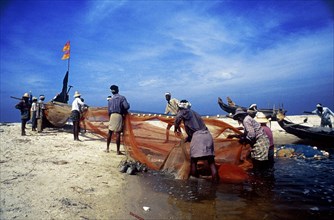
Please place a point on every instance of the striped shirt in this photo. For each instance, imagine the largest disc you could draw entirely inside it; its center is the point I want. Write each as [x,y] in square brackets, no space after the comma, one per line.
[253,129]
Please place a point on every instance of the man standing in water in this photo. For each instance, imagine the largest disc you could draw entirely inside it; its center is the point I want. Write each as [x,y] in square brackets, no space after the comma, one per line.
[24,106]
[262,119]
[255,136]
[200,138]
[324,113]
[117,107]
[171,108]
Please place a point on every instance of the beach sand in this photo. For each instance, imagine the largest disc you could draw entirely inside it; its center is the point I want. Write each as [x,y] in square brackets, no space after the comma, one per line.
[49,176]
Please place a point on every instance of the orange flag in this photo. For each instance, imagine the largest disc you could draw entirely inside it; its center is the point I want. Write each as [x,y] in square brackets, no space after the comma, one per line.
[66,55]
[67,46]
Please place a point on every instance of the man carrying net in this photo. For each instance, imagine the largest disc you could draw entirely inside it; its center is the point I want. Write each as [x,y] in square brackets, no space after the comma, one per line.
[200,138]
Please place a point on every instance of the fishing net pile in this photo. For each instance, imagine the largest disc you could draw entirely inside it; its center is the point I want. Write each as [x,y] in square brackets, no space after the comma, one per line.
[144,139]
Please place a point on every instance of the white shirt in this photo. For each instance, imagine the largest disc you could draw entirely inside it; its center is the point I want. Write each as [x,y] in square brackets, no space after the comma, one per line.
[172,106]
[76,104]
[325,114]
[33,107]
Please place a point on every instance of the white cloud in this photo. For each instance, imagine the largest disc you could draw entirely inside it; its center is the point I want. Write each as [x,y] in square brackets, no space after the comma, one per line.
[100,10]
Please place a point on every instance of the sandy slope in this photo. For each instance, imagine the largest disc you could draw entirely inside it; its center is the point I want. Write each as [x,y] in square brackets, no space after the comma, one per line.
[49,176]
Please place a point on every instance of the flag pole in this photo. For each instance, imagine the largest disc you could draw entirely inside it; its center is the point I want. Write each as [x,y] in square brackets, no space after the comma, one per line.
[68,63]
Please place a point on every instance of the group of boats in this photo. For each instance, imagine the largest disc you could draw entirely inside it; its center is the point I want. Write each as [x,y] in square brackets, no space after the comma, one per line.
[58,113]
[314,133]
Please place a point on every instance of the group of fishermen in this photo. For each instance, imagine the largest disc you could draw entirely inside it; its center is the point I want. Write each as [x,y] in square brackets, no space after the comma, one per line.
[256,134]
[31,109]
[201,141]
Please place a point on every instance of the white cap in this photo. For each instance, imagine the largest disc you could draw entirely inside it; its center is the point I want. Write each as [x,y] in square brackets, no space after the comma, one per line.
[252,106]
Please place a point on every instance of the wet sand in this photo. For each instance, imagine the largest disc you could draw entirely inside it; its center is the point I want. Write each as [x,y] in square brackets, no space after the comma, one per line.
[50,176]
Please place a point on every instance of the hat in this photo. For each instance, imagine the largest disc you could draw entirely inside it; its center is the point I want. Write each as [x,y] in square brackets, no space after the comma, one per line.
[319,105]
[77,94]
[25,95]
[34,98]
[168,93]
[184,104]
[41,97]
[238,112]
[261,118]
[252,106]
[114,89]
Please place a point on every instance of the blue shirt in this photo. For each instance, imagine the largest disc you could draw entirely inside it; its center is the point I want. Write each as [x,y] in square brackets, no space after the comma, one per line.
[118,104]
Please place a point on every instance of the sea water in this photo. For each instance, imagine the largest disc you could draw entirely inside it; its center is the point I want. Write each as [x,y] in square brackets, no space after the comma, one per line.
[297,188]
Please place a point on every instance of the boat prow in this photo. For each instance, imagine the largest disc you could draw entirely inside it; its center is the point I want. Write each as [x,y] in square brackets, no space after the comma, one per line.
[315,133]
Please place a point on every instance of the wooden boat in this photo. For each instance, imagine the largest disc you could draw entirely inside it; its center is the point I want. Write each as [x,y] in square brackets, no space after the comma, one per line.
[57,113]
[322,134]
[230,108]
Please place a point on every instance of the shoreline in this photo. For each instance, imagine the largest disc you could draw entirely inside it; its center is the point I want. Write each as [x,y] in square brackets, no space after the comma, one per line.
[50,176]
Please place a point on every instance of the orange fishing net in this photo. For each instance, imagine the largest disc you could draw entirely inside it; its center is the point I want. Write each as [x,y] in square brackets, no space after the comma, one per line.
[144,139]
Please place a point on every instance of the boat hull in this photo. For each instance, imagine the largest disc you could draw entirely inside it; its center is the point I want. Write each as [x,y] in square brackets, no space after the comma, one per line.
[269,113]
[57,113]
[312,133]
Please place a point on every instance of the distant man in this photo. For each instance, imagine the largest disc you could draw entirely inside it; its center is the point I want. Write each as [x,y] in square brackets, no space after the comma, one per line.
[172,109]
[324,113]
[118,107]
[40,108]
[33,113]
[24,106]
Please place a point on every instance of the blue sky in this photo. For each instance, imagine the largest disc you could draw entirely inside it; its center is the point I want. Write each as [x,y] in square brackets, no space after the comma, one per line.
[264,52]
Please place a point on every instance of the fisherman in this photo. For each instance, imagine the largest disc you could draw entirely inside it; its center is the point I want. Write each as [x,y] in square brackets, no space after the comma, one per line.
[252,110]
[75,114]
[324,113]
[255,136]
[172,109]
[24,106]
[262,119]
[200,138]
[33,113]
[40,108]
[118,108]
